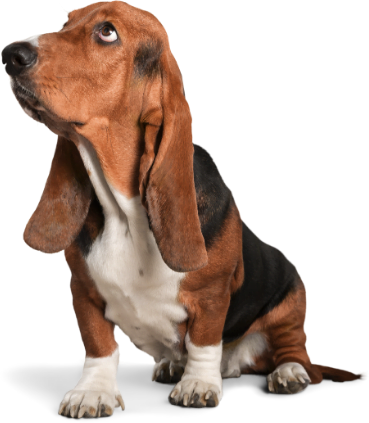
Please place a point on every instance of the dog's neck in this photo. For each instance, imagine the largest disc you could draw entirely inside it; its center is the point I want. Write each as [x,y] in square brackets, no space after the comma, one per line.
[117,151]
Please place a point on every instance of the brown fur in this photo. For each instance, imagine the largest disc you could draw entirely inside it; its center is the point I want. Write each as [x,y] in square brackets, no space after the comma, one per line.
[96,332]
[121,117]
[206,293]
[138,121]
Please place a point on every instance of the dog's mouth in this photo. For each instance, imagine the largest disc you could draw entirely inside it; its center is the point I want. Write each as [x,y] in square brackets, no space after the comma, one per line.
[28,100]
[33,106]
[22,91]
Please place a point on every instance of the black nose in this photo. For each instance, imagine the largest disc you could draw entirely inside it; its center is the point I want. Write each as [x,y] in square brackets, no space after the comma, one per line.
[18,57]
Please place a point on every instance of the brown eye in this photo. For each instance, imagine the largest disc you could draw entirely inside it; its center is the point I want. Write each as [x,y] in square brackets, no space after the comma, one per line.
[108,34]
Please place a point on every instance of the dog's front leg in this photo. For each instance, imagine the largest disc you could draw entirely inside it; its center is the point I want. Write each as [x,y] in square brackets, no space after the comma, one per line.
[201,383]
[96,394]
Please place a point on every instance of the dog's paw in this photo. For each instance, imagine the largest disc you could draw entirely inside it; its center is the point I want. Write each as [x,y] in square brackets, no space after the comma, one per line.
[289,378]
[77,404]
[167,372]
[195,393]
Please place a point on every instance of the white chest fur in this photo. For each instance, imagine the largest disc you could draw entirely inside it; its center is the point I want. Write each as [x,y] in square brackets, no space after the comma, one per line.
[140,290]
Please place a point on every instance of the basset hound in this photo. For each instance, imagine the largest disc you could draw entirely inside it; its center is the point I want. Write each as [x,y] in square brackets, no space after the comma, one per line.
[151,233]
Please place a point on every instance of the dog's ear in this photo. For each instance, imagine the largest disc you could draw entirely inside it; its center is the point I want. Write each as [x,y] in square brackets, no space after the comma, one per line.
[166,178]
[64,204]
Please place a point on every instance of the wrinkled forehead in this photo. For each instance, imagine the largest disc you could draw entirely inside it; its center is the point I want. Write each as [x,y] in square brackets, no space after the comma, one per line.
[120,14]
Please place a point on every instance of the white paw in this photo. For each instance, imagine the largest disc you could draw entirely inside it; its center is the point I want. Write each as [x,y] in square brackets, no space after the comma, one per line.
[97,393]
[192,392]
[289,378]
[79,403]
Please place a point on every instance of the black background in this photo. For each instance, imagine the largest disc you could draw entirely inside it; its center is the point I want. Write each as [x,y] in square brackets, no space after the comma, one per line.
[303,68]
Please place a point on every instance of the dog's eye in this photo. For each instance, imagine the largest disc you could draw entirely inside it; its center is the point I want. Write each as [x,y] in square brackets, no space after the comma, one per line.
[108,34]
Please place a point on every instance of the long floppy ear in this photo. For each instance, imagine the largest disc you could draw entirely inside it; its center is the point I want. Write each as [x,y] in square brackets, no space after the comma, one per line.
[64,204]
[166,170]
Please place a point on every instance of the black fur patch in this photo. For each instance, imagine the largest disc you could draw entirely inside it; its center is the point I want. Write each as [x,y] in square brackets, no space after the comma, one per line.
[212,195]
[146,62]
[93,224]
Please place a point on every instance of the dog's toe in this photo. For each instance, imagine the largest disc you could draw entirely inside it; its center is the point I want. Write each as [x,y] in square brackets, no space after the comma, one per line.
[289,378]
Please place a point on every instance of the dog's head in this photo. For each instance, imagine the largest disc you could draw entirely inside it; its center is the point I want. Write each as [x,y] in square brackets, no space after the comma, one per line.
[109,76]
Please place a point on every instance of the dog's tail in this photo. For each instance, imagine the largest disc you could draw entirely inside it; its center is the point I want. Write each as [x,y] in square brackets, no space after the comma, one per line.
[335,375]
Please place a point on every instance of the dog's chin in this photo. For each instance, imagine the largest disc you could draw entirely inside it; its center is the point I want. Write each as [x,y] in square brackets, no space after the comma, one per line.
[42,116]
[35,108]
[38,113]
[31,111]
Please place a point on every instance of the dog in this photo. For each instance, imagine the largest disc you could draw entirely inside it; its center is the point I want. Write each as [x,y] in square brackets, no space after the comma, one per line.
[151,233]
